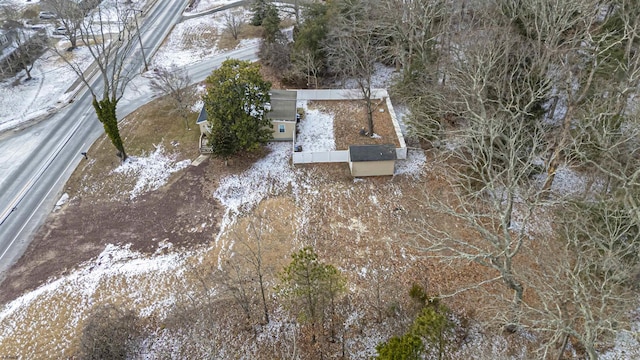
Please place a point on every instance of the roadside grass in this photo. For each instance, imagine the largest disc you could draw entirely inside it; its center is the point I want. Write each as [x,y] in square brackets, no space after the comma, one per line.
[150,126]
[201,35]
[247,31]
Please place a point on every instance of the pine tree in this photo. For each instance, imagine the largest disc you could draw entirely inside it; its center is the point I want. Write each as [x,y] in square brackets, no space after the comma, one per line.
[311,285]
[235,102]
[259,9]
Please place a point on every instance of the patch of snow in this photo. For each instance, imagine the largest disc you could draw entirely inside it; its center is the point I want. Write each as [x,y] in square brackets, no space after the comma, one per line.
[20,4]
[269,175]
[570,182]
[114,261]
[316,130]
[402,113]
[152,171]
[413,165]
[376,136]
[197,106]
[63,200]
[626,346]
[205,5]
[21,100]
[382,78]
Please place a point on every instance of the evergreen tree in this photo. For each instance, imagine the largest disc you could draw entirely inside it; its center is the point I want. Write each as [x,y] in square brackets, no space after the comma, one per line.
[406,347]
[312,285]
[235,102]
[259,9]
[271,24]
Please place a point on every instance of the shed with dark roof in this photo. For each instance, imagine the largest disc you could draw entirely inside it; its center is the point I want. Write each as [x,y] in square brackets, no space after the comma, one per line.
[372,160]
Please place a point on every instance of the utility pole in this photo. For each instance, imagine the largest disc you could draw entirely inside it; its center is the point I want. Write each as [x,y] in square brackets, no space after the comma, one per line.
[135,19]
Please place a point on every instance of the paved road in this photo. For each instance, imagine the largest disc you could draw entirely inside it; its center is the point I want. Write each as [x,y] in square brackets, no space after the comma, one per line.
[32,181]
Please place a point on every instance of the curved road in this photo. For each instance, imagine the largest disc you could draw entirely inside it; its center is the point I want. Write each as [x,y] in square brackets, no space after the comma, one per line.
[32,182]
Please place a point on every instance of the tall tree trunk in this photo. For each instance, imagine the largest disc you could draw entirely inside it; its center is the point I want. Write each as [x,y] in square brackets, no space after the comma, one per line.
[106,111]
[264,299]
[554,160]
[27,69]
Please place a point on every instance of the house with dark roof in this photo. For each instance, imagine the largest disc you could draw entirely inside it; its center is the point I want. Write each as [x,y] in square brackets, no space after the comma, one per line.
[282,113]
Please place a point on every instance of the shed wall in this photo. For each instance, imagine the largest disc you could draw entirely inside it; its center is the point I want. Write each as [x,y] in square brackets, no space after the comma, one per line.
[372,168]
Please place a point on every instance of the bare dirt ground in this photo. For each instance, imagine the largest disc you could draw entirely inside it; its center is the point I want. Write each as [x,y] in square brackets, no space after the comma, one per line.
[351,117]
[100,211]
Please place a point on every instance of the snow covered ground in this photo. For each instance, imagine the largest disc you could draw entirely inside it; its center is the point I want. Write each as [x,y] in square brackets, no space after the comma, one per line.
[139,278]
[22,101]
[151,171]
[316,130]
[191,40]
[21,4]
[204,5]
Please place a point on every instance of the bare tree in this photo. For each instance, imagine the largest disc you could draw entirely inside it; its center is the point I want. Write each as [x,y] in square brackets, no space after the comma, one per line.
[70,14]
[233,21]
[417,30]
[175,85]
[249,254]
[237,281]
[579,50]
[491,158]
[110,332]
[28,44]
[110,51]
[584,285]
[354,45]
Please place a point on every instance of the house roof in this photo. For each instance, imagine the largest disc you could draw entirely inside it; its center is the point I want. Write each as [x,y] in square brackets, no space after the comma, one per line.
[202,117]
[283,107]
[372,152]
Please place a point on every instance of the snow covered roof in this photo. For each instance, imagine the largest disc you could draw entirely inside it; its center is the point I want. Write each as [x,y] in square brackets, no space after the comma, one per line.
[372,152]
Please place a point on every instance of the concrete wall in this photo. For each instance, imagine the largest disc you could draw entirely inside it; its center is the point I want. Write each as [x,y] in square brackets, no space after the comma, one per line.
[372,168]
[289,130]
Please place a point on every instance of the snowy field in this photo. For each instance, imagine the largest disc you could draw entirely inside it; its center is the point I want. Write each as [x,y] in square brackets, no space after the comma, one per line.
[316,130]
[191,40]
[146,277]
[47,91]
[152,171]
[22,101]
[21,4]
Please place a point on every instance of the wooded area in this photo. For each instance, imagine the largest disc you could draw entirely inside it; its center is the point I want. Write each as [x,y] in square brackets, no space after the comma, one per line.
[508,92]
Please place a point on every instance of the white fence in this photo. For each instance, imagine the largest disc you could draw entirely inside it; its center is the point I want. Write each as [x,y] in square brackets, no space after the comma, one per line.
[339,94]
[321,157]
